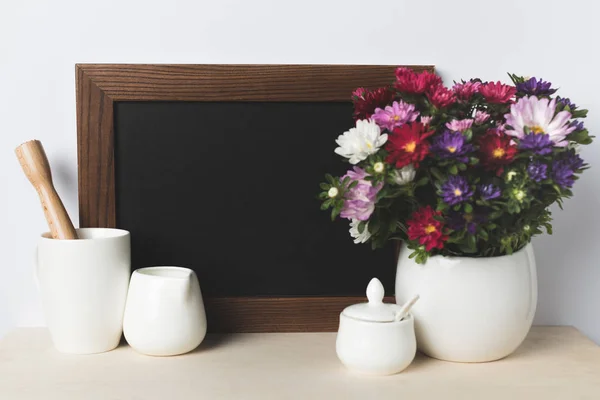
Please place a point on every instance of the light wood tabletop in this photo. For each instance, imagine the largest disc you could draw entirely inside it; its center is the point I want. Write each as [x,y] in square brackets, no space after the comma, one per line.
[553,363]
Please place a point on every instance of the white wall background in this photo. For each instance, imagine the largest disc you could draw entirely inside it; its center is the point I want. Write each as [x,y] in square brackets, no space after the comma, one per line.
[40,42]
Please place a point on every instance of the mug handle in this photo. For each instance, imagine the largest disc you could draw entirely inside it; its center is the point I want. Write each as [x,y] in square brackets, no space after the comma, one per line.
[36,267]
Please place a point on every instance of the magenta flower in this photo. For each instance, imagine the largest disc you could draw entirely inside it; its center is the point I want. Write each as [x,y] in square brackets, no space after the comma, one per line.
[481,117]
[359,202]
[465,90]
[459,125]
[398,114]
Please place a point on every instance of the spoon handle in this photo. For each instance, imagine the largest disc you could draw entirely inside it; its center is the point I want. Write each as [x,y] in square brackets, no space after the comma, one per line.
[406,307]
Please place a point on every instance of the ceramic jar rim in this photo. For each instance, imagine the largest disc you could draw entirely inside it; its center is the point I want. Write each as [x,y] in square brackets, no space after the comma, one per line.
[186,272]
[442,257]
[408,318]
[108,234]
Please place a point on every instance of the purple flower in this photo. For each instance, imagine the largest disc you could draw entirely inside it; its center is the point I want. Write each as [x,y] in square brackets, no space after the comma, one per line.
[577,124]
[359,202]
[566,102]
[395,115]
[456,190]
[539,143]
[489,191]
[452,145]
[563,170]
[535,87]
[537,171]
[458,221]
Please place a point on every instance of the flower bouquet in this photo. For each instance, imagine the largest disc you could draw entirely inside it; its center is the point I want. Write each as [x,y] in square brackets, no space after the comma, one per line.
[466,171]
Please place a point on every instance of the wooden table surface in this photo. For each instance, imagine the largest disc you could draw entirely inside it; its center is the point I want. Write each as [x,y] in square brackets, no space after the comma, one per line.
[553,363]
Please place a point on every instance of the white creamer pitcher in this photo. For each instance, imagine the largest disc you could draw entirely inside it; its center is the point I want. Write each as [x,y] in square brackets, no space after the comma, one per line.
[164,314]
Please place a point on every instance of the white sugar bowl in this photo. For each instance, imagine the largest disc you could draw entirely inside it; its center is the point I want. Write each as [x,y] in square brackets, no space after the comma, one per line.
[372,339]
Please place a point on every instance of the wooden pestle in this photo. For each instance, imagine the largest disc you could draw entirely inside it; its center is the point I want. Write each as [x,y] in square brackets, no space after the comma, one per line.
[34,162]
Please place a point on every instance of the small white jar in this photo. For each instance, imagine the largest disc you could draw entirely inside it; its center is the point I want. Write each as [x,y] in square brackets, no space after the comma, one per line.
[370,340]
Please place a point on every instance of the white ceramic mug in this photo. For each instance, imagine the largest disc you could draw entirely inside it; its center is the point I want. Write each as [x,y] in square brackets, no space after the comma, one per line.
[164,315]
[83,285]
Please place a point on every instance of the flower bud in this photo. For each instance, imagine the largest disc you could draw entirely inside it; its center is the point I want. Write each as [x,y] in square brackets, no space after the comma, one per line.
[404,175]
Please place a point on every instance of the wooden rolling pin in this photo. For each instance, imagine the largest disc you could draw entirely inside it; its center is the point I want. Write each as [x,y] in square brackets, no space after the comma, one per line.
[32,158]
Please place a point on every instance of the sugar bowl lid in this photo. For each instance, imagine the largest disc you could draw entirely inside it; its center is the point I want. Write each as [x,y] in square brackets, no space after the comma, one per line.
[375,310]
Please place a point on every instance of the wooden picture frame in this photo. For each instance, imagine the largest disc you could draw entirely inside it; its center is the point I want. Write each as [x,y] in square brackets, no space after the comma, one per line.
[100,86]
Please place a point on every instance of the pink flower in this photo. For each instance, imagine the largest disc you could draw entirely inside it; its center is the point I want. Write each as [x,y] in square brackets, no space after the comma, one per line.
[539,116]
[395,115]
[481,117]
[465,90]
[359,202]
[497,92]
[426,120]
[408,81]
[441,97]
[459,125]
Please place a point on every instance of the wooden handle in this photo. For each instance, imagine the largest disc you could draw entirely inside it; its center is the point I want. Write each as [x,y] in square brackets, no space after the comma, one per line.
[34,162]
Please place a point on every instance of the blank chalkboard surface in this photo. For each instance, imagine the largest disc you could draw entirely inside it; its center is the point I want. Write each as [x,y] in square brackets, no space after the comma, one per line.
[217,167]
[229,189]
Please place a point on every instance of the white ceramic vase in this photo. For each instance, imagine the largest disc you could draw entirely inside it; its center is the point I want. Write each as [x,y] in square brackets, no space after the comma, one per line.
[471,309]
[83,285]
[164,314]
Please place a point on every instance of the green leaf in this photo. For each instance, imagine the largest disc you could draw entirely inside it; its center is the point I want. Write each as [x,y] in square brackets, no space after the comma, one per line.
[361,226]
[582,137]
[453,170]
[484,235]
[468,135]
[579,113]
[437,174]
[326,204]
[468,208]
[496,214]
[422,181]
[462,167]
[335,212]
[324,186]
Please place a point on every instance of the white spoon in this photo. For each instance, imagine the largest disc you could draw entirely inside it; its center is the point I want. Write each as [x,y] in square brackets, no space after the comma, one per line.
[406,308]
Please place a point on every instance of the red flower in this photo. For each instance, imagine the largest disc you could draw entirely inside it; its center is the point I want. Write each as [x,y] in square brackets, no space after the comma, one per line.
[408,81]
[366,101]
[428,231]
[497,92]
[407,144]
[496,150]
[441,97]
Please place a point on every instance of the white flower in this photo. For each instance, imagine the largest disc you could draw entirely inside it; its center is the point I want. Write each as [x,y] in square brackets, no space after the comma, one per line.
[404,175]
[378,167]
[538,115]
[332,192]
[359,237]
[360,142]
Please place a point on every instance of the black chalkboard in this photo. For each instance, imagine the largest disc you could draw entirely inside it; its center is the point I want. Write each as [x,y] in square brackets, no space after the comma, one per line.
[229,189]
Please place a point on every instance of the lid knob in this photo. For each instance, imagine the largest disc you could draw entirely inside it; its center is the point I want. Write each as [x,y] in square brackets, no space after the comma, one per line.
[375,291]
